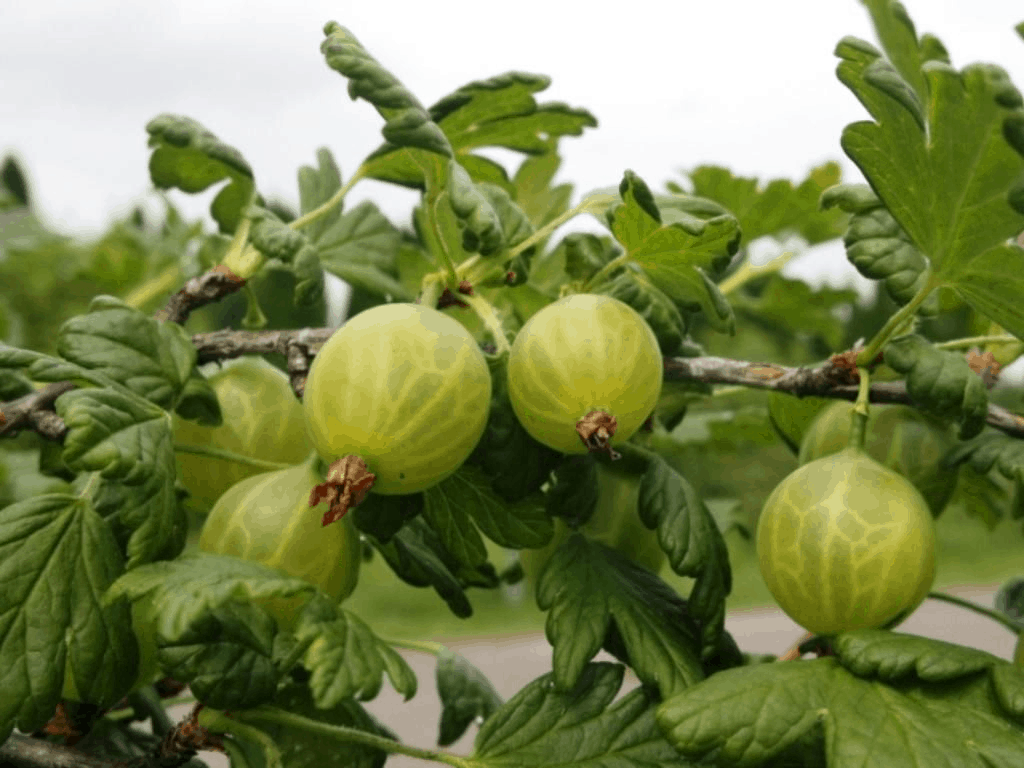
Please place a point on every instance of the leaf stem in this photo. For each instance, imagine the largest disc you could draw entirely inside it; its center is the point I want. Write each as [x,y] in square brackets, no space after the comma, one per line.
[1006,621]
[346,734]
[219,453]
[426,646]
[859,425]
[977,341]
[598,277]
[335,200]
[160,285]
[894,323]
[550,227]
[748,272]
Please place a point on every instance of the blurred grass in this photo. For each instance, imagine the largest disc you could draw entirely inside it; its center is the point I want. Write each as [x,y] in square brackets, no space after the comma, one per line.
[969,554]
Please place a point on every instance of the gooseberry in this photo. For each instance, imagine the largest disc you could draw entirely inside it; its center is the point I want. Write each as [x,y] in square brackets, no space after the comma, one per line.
[898,436]
[262,419]
[403,387]
[267,519]
[615,523]
[845,543]
[584,372]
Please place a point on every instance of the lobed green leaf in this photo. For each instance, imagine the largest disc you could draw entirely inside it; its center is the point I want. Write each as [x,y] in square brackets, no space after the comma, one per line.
[316,187]
[466,695]
[582,724]
[994,450]
[940,382]
[275,240]
[188,157]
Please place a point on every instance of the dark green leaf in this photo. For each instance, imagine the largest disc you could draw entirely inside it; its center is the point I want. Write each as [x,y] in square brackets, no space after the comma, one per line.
[383,516]
[188,157]
[226,655]
[876,244]
[346,659]
[407,123]
[57,558]
[652,305]
[585,587]
[1010,599]
[794,307]
[573,495]
[941,382]
[994,450]
[198,402]
[466,694]
[691,539]
[580,727]
[152,359]
[12,181]
[586,253]
[481,227]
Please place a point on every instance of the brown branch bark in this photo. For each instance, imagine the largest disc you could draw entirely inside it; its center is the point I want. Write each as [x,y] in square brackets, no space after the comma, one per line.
[201,290]
[834,379]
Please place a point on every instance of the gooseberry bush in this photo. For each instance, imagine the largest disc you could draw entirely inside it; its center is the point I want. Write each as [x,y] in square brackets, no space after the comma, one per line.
[197,471]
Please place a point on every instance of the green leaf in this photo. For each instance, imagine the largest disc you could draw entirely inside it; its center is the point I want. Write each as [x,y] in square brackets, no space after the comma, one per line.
[481,228]
[12,181]
[580,727]
[189,588]
[994,450]
[188,157]
[361,247]
[770,713]
[941,382]
[226,655]
[585,587]
[316,187]
[896,32]
[467,496]
[691,539]
[586,253]
[892,656]
[198,401]
[877,245]
[775,208]
[275,240]
[793,307]
[383,516]
[152,359]
[407,123]
[57,558]
[534,194]
[1010,599]
[675,256]
[499,112]
[981,496]
[418,557]
[346,659]
[306,749]
[466,694]
[948,162]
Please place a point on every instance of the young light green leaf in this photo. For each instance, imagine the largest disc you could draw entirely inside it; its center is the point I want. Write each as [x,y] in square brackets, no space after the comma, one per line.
[57,557]
[345,658]
[585,587]
[950,169]
[466,694]
[876,244]
[691,539]
[534,194]
[499,112]
[775,208]
[407,123]
[675,256]
[316,187]
[226,655]
[188,157]
[152,359]
[767,714]
[361,247]
[940,381]
[275,240]
[582,727]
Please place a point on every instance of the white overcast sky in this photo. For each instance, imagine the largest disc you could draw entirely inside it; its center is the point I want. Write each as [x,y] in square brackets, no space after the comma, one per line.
[745,83]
